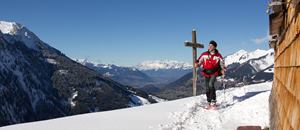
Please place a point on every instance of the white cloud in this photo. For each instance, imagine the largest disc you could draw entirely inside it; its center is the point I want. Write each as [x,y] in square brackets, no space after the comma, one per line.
[261,40]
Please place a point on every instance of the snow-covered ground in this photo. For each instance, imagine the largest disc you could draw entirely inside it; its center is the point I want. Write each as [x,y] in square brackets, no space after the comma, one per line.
[238,106]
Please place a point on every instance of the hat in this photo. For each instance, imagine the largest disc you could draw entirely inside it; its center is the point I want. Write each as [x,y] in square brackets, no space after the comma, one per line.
[213,43]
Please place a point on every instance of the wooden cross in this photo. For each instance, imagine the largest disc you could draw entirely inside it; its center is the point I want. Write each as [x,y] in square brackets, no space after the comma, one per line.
[194,45]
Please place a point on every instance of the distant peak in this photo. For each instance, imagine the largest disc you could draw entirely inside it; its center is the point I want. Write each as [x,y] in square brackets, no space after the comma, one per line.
[259,50]
[10,27]
[17,32]
[85,61]
[96,64]
[242,51]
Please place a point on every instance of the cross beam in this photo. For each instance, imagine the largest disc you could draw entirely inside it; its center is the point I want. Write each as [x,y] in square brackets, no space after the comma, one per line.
[194,46]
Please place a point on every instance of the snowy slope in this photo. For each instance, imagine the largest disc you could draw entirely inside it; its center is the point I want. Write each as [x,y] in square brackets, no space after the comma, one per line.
[235,57]
[240,106]
[243,56]
[264,61]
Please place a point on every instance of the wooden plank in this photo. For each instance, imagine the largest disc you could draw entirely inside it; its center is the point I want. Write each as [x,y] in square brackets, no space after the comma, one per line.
[293,58]
[287,56]
[275,23]
[297,46]
[190,44]
[289,79]
[297,83]
[249,128]
[294,116]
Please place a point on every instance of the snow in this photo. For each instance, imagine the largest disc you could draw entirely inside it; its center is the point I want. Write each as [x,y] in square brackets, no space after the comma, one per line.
[17,32]
[271,70]
[246,105]
[163,64]
[105,66]
[146,65]
[263,63]
[242,106]
[157,99]
[51,61]
[231,79]
[74,95]
[63,72]
[138,100]
[234,57]
[243,56]
[9,27]
[133,69]
[107,74]
[250,115]
[84,61]
[87,62]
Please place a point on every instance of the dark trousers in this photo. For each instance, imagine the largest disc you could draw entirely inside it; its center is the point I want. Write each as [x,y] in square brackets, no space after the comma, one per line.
[210,89]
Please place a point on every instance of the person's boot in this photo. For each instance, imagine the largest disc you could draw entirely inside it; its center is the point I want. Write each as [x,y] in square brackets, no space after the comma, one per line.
[208,105]
[213,106]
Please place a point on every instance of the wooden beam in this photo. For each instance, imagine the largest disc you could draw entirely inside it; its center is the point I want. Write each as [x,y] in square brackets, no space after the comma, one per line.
[197,45]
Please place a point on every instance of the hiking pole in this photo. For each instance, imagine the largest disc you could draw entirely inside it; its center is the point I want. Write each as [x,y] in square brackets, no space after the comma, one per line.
[224,87]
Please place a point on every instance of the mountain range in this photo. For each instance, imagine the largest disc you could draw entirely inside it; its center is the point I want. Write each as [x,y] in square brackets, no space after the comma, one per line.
[175,78]
[145,74]
[125,75]
[164,71]
[39,82]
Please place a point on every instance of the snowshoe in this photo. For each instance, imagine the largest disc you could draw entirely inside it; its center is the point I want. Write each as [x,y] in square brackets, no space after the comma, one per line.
[211,106]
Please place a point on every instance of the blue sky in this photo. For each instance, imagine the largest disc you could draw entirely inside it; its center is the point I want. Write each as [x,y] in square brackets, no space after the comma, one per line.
[127,32]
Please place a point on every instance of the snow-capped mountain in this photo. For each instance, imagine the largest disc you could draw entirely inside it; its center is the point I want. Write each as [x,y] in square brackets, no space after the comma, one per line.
[38,82]
[125,75]
[14,32]
[261,63]
[243,56]
[163,64]
[238,107]
[264,61]
[164,71]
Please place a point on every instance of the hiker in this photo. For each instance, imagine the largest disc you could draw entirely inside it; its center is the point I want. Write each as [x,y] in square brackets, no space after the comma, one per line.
[212,64]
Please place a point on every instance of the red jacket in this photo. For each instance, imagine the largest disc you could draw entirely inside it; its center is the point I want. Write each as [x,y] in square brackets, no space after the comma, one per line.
[212,63]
